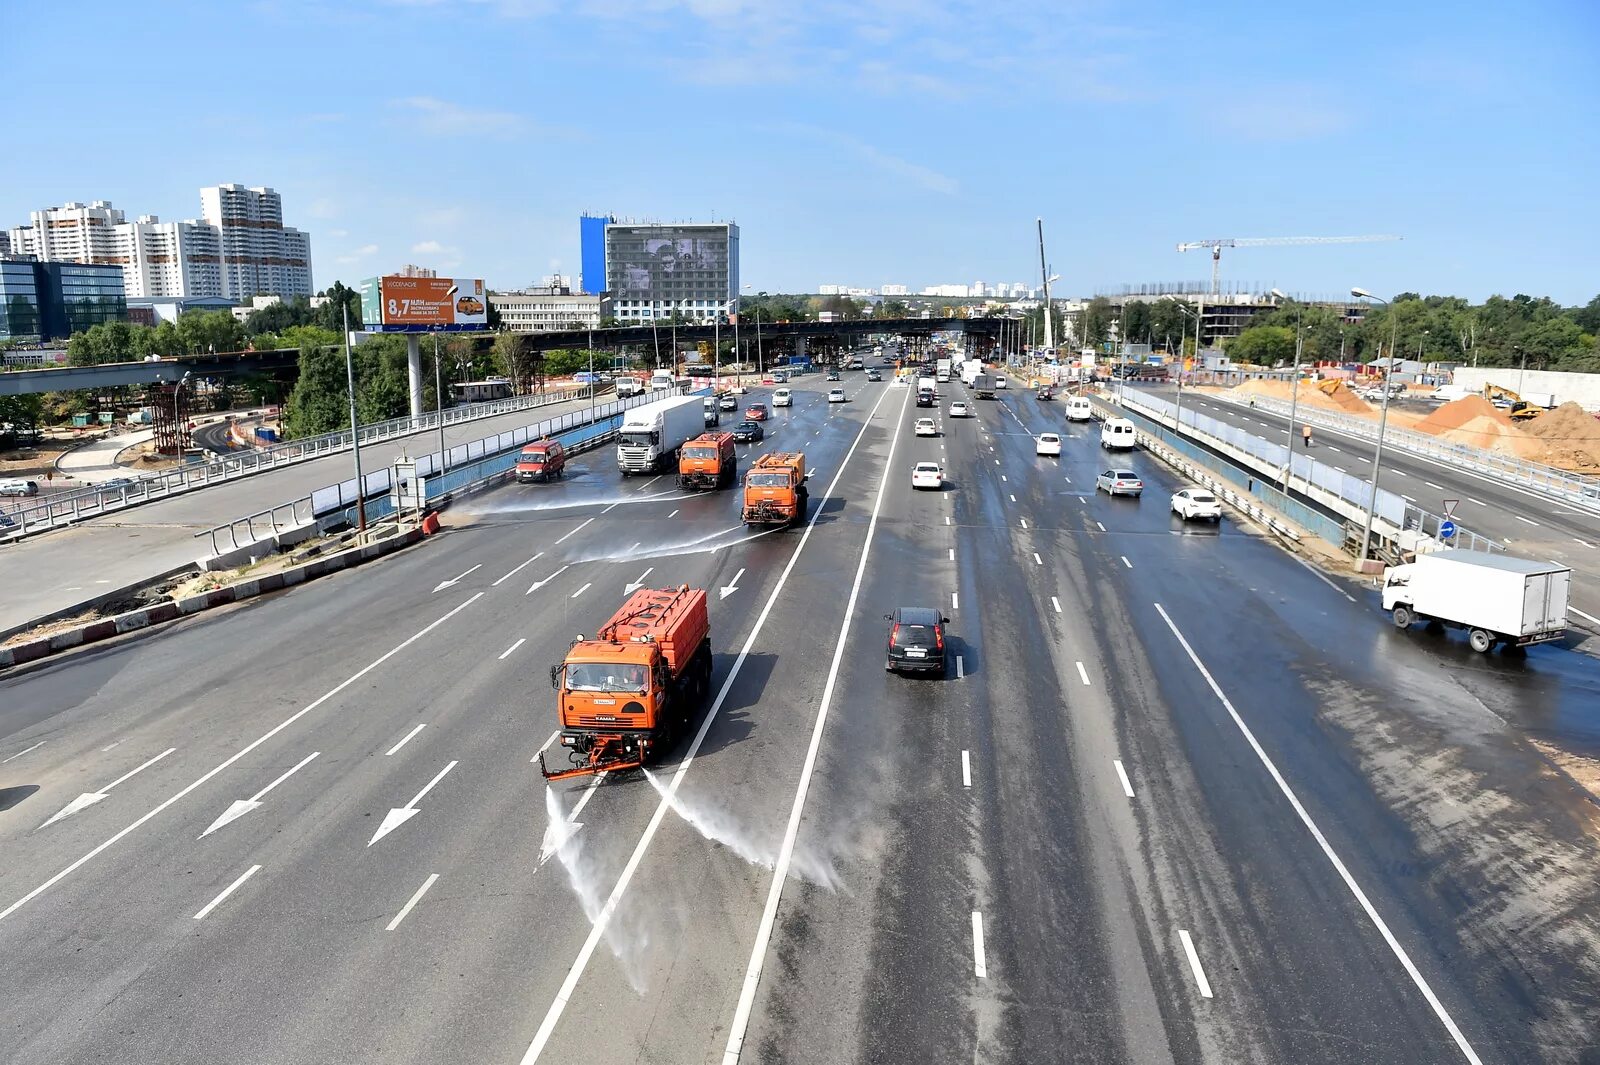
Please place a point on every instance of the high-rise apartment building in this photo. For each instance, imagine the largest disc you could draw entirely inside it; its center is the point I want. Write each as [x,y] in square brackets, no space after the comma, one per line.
[178,259]
[260,255]
[653,271]
[72,233]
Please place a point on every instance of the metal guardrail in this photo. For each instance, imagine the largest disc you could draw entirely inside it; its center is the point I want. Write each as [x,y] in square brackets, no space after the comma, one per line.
[1546,480]
[71,507]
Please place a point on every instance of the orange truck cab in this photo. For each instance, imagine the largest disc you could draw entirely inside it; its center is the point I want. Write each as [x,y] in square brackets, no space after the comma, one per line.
[542,460]
[626,696]
[775,490]
[707,461]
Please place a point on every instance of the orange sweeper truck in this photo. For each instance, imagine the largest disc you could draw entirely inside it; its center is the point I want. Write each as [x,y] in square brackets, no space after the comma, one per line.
[775,490]
[626,696]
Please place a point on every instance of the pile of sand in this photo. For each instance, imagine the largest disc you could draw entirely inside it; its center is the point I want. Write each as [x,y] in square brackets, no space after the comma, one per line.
[1342,400]
[1572,436]
[1474,421]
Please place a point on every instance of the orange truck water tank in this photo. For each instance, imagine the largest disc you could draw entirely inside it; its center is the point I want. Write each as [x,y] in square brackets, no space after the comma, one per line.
[775,489]
[673,619]
[707,461]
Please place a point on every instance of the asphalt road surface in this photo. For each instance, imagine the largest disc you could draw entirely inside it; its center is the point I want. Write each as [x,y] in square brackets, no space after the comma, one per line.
[58,570]
[1180,798]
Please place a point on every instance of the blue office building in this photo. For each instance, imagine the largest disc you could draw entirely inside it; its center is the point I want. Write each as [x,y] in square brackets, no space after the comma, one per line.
[592,253]
[42,302]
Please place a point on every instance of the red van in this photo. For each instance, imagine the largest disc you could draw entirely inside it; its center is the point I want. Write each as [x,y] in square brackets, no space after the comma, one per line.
[542,460]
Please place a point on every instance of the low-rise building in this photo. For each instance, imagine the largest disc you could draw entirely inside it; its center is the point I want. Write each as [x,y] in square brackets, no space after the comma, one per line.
[546,308]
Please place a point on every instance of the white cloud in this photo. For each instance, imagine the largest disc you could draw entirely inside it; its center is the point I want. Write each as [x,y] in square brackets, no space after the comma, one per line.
[338,234]
[427,247]
[441,118]
[366,251]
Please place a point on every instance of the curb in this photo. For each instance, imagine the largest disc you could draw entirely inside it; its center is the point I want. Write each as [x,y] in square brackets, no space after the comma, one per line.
[134,620]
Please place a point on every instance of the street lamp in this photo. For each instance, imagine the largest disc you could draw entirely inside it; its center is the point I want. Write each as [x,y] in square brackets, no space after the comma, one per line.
[1383,421]
[1187,313]
[355,430]
[438,390]
[1294,388]
[1522,373]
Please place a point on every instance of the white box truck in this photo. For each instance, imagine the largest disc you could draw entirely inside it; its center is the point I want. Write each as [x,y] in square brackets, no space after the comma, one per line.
[941,371]
[1496,598]
[970,370]
[652,434]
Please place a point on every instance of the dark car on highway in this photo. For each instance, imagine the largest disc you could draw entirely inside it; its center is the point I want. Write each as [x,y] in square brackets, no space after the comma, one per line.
[916,640]
[749,432]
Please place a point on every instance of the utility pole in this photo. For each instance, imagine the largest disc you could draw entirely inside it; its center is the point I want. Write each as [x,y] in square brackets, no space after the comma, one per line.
[1044,273]
[1383,421]
[355,430]
[438,392]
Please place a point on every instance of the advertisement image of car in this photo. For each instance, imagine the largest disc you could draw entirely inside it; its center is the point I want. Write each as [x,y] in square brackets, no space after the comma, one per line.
[394,304]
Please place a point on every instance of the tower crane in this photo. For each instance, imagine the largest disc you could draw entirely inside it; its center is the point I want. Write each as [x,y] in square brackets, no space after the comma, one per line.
[1216,247]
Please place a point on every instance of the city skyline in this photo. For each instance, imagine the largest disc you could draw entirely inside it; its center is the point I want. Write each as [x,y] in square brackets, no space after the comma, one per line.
[898,148]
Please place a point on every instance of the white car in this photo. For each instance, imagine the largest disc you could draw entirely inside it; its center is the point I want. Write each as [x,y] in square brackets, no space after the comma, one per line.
[925,427]
[1000,382]
[835,395]
[783,398]
[927,475]
[1197,503]
[1119,483]
[1047,444]
[960,410]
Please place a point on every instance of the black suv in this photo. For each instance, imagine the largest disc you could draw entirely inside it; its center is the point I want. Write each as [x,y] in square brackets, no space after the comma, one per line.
[916,640]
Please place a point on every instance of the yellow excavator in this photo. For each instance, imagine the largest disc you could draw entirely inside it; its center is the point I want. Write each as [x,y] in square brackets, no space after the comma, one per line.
[1330,386]
[1521,411]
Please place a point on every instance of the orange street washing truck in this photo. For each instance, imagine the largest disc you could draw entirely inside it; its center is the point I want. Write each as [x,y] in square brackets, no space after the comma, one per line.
[775,490]
[626,696]
[707,461]
[542,460]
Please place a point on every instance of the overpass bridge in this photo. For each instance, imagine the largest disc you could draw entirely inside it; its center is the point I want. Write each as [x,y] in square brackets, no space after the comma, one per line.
[988,328]
[167,371]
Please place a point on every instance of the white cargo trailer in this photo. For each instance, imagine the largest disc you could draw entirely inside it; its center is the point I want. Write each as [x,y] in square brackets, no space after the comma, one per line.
[651,435]
[1496,598]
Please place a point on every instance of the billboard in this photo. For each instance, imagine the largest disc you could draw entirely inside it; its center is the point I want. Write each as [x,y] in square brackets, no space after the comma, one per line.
[393,304]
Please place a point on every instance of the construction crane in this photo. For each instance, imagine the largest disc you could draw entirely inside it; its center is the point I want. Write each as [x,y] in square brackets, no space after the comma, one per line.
[1216,247]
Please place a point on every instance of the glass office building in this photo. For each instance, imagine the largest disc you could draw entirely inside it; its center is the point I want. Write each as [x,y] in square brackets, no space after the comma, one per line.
[45,302]
[19,301]
[654,270]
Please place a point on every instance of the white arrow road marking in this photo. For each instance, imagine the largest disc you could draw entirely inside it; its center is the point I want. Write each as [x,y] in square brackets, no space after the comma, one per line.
[629,589]
[732,586]
[89,798]
[400,815]
[557,835]
[453,581]
[241,807]
[536,585]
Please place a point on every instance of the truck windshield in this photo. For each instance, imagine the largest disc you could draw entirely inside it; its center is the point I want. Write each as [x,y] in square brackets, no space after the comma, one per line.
[638,438]
[699,452]
[606,677]
[768,480]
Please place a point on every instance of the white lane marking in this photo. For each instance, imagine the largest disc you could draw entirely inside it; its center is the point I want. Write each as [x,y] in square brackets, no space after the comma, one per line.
[1194,964]
[1013,498]
[509,651]
[980,964]
[1125,562]
[1399,473]
[1327,850]
[421,891]
[634,586]
[453,581]
[580,528]
[955,602]
[952,554]
[103,750]
[966,770]
[612,507]
[239,807]
[674,514]
[1409,499]
[1585,543]
[1055,603]
[546,746]
[89,798]
[1587,617]
[635,547]
[520,566]
[1479,502]
[240,753]
[996,461]
[35,747]
[732,586]
[1122,775]
[1069,480]
[947,519]
[1430,484]
[1024,522]
[1332,448]
[1083,673]
[229,890]
[401,814]
[580,591]
[812,472]
[1002,477]
[599,925]
[1527,521]
[536,585]
[1037,561]
[408,736]
[1102,528]
[961,668]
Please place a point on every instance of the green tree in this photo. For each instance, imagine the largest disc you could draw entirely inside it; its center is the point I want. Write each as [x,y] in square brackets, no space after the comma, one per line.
[19,418]
[203,332]
[328,315]
[1262,345]
[894,309]
[1097,318]
[318,403]
[1136,322]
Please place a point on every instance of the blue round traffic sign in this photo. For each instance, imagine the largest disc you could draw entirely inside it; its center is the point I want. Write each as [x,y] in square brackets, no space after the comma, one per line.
[1447,529]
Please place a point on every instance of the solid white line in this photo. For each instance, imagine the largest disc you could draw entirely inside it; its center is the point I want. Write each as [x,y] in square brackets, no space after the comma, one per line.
[1587,617]
[1055,603]
[406,739]
[612,507]
[1102,528]
[580,591]
[966,769]
[598,926]
[513,573]
[961,668]
[1328,851]
[1122,774]
[240,753]
[1528,521]
[138,769]
[421,891]
[208,907]
[429,786]
[1319,576]
[1194,964]
[546,746]
[980,965]
[1585,543]
[955,603]
[1084,673]
[298,766]
[508,651]
[580,528]
[24,751]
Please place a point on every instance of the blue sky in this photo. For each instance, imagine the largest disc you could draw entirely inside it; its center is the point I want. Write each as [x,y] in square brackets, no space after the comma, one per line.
[857,142]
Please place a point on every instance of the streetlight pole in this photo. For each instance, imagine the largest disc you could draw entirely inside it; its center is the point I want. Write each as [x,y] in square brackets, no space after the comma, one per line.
[591,372]
[355,430]
[1383,421]
[1187,314]
[438,391]
[1522,374]
[1294,388]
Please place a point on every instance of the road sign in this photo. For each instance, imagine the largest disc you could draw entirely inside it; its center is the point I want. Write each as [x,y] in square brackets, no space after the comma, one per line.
[1447,529]
[1450,507]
